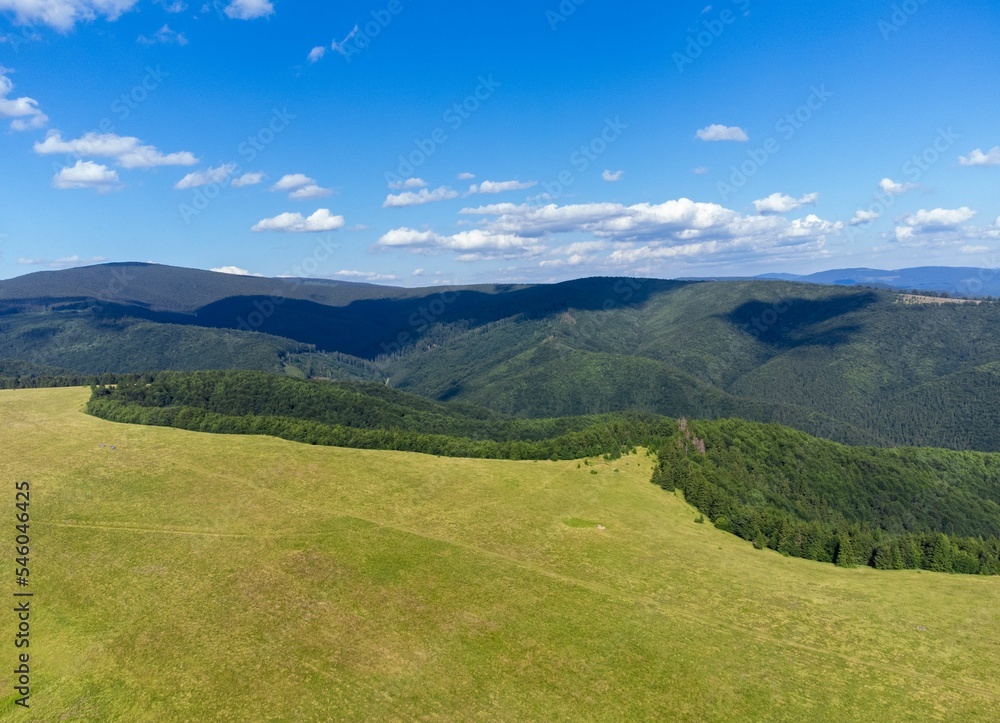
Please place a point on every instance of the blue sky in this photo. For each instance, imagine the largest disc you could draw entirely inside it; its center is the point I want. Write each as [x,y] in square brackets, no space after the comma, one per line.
[412,143]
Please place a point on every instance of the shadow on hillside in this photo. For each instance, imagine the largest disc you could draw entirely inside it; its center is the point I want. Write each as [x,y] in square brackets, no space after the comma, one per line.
[795,322]
[371,327]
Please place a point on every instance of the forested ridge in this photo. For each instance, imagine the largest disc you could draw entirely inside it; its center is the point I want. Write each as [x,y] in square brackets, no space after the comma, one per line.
[362,415]
[855,365]
[777,487]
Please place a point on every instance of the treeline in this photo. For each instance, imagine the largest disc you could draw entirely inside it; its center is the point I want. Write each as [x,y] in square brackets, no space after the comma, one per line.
[363,416]
[20,374]
[906,508]
[803,497]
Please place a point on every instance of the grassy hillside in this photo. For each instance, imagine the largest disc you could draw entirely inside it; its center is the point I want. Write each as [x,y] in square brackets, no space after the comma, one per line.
[191,576]
[904,508]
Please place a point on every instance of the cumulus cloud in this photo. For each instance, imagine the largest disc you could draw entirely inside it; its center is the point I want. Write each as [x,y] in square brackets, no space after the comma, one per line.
[978,158]
[24,111]
[938,219]
[473,245]
[411,198]
[62,15]
[612,177]
[248,179]
[718,132]
[234,271]
[782,203]
[291,181]
[301,187]
[862,217]
[249,9]
[87,174]
[206,177]
[310,191]
[895,189]
[317,53]
[163,36]
[63,263]
[501,186]
[128,152]
[466,176]
[644,232]
[408,183]
[940,227]
[701,171]
[321,220]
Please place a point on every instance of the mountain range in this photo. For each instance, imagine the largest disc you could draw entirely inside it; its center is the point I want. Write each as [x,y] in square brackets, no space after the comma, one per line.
[853,364]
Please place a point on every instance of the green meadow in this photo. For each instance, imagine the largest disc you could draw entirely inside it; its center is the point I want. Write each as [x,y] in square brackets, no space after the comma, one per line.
[191,577]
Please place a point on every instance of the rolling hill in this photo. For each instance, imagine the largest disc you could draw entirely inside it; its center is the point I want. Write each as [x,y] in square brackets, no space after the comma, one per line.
[187,576]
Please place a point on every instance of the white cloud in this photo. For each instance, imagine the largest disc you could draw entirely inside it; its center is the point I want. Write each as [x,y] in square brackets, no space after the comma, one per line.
[939,227]
[701,171]
[317,53]
[501,186]
[975,249]
[339,47]
[63,263]
[248,179]
[64,14]
[978,158]
[407,237]
[862,217]
[172,6]
[322,220]
[674,229]
[249,9]
[410,198]
[895,189]
[718,132]
[408,183]
[466,176]
[126,150]
[149,157]
[291,181]
[473,245]
[206,177]
[782,203]
[301,187]
[87,174]
[612,177]
[163,36]
[234,271]
[24,111]
[938,219]
[310,191]
[366,275]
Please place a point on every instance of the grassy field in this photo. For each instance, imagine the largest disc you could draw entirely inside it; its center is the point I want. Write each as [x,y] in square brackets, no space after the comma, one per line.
[191,577]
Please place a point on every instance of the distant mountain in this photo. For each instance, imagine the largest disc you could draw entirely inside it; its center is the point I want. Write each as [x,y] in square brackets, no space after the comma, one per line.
[956,281]
[170,288]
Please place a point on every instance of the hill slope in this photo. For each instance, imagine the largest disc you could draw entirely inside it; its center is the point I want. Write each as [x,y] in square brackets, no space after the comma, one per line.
[892,509]
[314,582]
